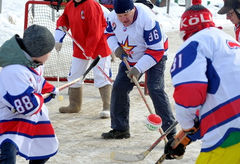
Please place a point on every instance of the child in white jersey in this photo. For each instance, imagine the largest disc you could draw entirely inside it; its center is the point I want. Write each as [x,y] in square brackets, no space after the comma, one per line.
[27,131]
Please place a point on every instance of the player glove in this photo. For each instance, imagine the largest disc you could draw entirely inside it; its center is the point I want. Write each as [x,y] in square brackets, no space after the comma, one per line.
[113,57]
[58,46]
[52,95]
[133,72]
[119,52]
[178,151]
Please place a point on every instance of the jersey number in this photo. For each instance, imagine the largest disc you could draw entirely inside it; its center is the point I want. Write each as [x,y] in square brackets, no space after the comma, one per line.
[177,63]
[23,104]
[153,36]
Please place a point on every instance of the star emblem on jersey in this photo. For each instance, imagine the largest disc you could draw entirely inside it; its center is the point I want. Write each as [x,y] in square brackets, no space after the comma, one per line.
[127,47]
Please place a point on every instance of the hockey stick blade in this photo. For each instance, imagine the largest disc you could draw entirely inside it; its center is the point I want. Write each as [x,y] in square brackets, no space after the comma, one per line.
[139,157]
[93,64]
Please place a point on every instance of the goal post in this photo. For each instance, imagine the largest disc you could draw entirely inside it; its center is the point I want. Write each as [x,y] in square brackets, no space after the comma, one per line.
[40,12]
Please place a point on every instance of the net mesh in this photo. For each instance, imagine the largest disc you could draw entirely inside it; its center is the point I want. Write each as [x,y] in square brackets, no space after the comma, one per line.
[58,64]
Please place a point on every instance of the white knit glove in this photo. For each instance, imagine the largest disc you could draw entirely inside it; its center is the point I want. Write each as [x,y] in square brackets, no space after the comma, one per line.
[58,46]
[133,72]
[120,52]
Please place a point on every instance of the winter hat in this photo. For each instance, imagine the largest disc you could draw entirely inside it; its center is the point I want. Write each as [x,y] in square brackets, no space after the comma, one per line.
[38,40]
[122,6]
[194,19]
[228,5]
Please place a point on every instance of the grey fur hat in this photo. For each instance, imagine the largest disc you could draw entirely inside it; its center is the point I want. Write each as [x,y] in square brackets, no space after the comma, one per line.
[38,40]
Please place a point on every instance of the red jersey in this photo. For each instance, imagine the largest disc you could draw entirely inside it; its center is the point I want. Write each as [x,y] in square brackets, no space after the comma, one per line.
[87,25]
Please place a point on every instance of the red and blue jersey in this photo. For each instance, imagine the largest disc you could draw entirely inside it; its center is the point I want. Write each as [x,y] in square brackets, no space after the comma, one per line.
[205,74]
[144,40]
[29,128]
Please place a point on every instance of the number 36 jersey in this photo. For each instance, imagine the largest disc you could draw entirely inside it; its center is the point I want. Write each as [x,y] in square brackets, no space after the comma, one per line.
[144,40]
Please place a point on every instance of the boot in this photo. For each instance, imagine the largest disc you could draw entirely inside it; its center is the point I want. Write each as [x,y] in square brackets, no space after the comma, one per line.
[115,134]
[75,100]
[105,93]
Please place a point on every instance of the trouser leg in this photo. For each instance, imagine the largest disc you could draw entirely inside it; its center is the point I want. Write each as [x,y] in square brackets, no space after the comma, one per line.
[155,83]
[38,161]
[8,153]
[120,101]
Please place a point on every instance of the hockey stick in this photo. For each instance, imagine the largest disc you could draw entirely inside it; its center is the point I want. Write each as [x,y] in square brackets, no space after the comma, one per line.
[141,156]
[93,64]
[109,79]
[60,97]
[141,93]
[181,135]
[79,46]
[174,144]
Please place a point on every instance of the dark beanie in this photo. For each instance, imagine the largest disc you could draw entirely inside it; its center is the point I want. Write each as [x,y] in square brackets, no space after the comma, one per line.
[38,40]
[122,6]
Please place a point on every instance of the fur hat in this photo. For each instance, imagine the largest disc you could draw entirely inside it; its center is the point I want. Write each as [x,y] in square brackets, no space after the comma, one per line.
[38,40]
[194,19]
[122,6]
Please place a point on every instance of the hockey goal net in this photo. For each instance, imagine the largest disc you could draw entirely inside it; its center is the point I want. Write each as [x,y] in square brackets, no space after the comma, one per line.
[58,65]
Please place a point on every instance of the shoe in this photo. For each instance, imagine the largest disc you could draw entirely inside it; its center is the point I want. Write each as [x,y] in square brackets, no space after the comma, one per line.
[114,134]
[105,114]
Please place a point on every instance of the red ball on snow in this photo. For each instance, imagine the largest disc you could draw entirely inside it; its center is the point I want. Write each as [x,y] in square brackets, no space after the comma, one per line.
[153,122]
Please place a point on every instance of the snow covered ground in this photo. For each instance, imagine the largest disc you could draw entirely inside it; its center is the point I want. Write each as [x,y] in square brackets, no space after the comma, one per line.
[79,134]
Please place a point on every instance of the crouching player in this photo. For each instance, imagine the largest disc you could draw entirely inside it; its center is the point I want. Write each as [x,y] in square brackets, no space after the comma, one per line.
[28,131]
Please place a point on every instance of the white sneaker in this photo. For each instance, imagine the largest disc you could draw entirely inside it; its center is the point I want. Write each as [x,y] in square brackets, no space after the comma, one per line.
[105,114]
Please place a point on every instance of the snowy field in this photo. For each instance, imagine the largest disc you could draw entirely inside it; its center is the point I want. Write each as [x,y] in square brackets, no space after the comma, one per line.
[80,134]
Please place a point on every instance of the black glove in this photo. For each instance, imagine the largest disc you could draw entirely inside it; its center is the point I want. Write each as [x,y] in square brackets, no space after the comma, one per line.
[119,52]
[178,151]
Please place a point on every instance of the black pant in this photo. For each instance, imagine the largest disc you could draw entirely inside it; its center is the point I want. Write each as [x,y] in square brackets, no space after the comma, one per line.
[9,152]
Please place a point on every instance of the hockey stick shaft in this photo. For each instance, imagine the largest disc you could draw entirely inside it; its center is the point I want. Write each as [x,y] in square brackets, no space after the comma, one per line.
[142,95]
[181,135]
[141,156]
[109,79]
[79,46]
[174,144]
[93,64]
